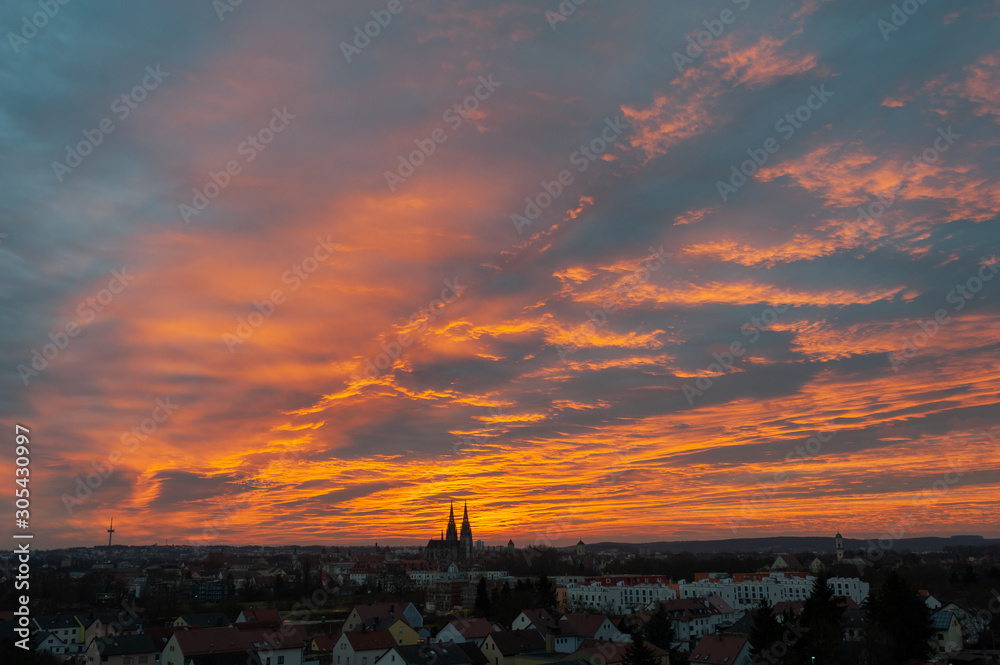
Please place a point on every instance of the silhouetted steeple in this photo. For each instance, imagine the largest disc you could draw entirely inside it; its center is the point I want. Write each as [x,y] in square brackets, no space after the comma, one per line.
[466,538]
[451,536]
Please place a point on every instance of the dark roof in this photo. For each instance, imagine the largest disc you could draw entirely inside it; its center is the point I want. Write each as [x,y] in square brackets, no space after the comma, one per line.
[161,634]
[718,649]
[56,622]
[583,623]
[370,640]
[206,620]
[432,654]
[231,658]
[265,615]
[223,640]
[473,628]
[475,654]
[941,620]
[513,642]
[120,645]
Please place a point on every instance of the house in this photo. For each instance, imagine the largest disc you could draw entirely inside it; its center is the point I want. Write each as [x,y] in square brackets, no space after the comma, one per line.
[320,649]
[591,626]
[538,619]
[258,616]
[206,620]
[357,647]
[473,631]
[947,633]
[602,652]
[407,612]
[929,600]
[695,617]
[161,635]
[465,653]
[122,650]
[208,646]
[786,562]
[64,636]
[400,630]
[501,648]
[104,624]
[48,643]
[719,649]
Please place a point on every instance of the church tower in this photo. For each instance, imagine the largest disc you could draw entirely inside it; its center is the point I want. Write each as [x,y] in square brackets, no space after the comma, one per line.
[466,538]
[451,535]
[840,547]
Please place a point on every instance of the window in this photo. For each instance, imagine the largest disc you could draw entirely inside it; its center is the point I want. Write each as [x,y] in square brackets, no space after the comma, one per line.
[143,660]
[281,660]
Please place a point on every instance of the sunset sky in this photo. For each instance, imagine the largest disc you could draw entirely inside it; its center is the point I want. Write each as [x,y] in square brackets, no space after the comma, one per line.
[268,279]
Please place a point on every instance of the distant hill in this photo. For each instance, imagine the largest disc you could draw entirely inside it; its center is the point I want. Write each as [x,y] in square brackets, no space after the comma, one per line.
[818,544]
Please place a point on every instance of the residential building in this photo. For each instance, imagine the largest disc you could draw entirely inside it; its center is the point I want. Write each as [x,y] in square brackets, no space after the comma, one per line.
[947,635]
[357,647]
[122,650]
[473,631]
[501,648]
[719,649]
[282,646]
[407,612]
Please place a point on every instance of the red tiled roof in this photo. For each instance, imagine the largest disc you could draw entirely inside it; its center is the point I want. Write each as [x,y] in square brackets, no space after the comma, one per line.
[718,649]
[381,610]
[323,643]
[473,628]
[370,640]
[584,624]
[226,640]
[538,616]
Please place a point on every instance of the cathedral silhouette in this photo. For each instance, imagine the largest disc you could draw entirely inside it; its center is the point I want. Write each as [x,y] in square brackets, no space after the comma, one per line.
[452,546]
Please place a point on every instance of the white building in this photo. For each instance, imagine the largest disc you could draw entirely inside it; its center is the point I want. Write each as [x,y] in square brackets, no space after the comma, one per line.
[617,599]
[362,648]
